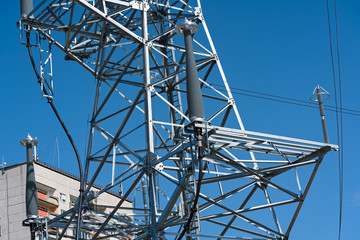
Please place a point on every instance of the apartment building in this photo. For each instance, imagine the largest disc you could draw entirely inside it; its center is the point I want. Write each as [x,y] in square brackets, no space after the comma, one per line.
[57,192]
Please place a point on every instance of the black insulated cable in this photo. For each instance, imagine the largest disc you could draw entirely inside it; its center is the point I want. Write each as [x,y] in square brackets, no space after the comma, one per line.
[198,186]
[51,103]
[49,99]
[293,101]
[339,109]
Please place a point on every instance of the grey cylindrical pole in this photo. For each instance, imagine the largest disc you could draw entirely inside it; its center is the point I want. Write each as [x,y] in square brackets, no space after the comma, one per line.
[194,96]
[26,6]
[31,192]
[322,113]
[144,200]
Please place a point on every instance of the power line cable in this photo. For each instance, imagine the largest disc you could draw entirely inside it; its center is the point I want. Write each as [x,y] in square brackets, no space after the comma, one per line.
[338,121]
[287,100]
[50,101]
[341,153]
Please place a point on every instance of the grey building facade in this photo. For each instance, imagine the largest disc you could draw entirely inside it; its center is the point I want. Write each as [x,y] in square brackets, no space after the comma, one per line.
[57,192]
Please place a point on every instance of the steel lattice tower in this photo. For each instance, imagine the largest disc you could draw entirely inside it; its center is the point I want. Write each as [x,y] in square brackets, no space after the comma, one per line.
[198,178]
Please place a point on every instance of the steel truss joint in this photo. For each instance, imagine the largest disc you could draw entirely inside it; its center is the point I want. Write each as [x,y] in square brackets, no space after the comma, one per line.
[140,5]
[231,101]
[198,12]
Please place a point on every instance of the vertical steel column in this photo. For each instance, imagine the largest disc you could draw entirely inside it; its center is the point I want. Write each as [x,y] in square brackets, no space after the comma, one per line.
[92,129]
[147,91]
[31,200]
[149,124]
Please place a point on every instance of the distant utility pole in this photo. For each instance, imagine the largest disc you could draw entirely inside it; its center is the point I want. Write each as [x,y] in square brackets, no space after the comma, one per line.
[318,93]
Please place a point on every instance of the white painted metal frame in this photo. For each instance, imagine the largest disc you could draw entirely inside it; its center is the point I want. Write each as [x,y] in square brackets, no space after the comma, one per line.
[142,145]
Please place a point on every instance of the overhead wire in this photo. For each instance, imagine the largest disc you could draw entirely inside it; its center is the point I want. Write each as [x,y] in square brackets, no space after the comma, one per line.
[282,99]
[292,99]
[338,118]
[52,104]
[338,99]
[341,152]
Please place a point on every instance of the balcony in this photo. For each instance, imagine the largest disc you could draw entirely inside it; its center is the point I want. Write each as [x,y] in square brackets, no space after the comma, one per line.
[47,201]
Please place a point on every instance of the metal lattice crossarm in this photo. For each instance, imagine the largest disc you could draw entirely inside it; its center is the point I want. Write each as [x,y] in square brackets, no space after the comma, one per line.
[286,147]
[175,175]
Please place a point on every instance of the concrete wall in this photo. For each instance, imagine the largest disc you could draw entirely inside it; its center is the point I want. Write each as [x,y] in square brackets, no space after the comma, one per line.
[62,183]
[12,204]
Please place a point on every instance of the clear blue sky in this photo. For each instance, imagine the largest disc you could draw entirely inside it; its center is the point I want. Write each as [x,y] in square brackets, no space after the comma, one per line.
[275,47]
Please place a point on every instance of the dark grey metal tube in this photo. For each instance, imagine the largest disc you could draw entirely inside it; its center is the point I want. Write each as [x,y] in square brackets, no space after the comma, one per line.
[144,200]
[26,6]
[31,200]
[322,114]
[194,97]
[31,192]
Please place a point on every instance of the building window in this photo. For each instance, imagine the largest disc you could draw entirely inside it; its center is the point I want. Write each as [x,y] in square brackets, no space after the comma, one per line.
[62,197]
[72,200]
